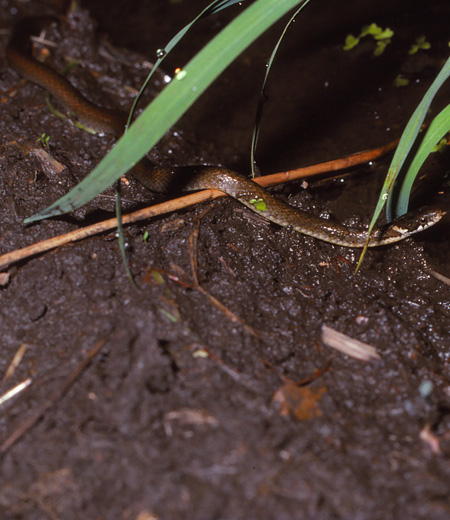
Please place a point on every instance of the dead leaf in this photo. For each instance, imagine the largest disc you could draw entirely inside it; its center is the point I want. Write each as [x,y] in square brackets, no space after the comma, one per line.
[299,401]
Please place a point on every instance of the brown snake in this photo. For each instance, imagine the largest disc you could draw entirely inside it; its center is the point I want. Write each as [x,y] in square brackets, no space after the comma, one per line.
[104,120]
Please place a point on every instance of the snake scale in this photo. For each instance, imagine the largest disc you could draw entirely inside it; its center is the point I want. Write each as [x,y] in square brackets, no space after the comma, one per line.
[259,200]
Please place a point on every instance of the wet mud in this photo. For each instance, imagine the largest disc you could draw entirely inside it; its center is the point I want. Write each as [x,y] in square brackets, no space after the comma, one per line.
[208,392]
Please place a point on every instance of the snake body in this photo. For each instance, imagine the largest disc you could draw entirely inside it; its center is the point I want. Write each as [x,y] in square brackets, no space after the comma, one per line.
[256,198]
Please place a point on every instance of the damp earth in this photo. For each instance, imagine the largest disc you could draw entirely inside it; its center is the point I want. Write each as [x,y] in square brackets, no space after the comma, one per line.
[207,390]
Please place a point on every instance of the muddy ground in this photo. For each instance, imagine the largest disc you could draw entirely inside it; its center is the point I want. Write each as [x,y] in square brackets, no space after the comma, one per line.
[219,399]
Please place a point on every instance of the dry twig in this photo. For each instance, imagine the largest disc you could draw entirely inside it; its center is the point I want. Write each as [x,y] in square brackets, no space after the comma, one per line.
[219,305]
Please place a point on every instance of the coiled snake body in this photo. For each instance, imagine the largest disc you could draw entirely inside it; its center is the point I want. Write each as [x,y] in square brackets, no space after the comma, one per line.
[241,188]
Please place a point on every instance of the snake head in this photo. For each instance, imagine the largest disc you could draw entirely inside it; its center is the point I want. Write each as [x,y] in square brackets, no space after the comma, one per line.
[418,220]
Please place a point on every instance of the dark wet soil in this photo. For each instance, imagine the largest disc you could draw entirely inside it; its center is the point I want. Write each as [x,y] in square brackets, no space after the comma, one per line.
[213,395]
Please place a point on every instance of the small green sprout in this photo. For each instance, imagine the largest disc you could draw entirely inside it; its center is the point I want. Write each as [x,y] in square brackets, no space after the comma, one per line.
[381,46]
[382,37]
[259,204]
[350,42]
[384,34]
[44,139]
[400,81]
[421,43]
[168,315]
[145,236]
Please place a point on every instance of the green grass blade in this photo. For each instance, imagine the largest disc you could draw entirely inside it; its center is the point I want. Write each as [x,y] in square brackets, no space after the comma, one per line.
[439,127]
[217,6]
[409,136]
[176,98]
[262,95]
[161,54]
[406,142]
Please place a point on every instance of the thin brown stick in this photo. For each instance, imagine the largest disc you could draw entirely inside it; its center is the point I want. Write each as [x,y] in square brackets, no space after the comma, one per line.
[189,200]
[31,421]
[329,166]
[193,255]
[107,225]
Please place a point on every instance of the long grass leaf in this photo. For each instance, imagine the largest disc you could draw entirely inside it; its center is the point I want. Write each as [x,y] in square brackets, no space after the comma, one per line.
[406,142]
[217,6]
[161,54]
[262,95]
[408,138]
[176,98]
[439,127]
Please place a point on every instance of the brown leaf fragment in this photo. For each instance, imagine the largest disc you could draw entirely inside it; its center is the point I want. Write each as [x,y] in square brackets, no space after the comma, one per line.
[299,401]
